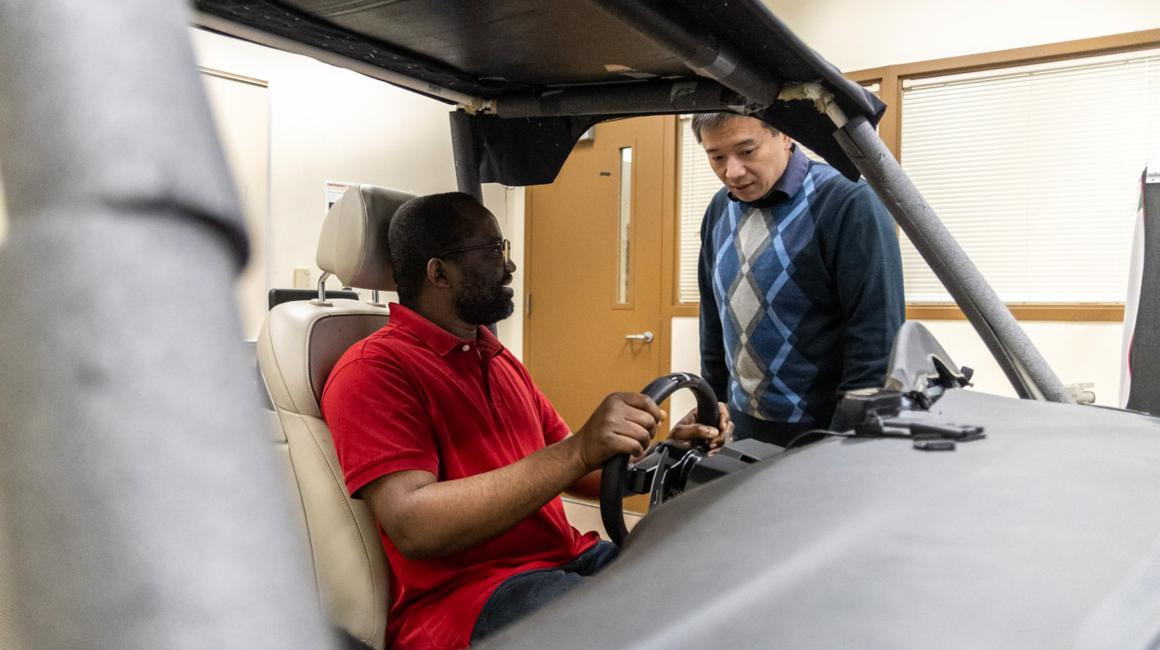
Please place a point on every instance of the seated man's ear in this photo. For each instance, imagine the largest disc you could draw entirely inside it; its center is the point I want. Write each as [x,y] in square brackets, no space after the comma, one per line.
[437,272]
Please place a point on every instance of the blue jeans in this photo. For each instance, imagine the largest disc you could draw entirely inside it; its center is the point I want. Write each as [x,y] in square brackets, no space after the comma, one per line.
[526,592]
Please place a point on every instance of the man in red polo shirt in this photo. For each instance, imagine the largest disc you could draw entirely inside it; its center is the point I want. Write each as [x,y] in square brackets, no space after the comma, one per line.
[460,457]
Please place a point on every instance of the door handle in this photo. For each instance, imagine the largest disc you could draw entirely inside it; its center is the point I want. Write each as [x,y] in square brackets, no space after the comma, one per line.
[647,337]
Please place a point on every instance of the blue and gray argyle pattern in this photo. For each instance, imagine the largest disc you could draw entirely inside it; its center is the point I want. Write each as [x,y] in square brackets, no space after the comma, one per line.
[801,295]
[762,303]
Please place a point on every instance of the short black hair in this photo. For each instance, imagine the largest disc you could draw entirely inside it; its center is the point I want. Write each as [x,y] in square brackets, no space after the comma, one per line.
[423,228]
[702,121]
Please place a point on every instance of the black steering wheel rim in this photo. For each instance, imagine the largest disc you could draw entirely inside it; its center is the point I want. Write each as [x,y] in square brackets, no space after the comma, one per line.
[615,469]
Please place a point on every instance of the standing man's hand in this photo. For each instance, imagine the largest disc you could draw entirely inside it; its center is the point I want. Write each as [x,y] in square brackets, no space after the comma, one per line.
[622,424]
[687,430]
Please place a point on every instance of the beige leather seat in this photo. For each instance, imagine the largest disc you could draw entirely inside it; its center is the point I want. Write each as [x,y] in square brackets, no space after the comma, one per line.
[298,346]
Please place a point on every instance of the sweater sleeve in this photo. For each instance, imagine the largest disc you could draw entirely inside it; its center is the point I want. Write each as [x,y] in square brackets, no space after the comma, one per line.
[713,368]
[869,283]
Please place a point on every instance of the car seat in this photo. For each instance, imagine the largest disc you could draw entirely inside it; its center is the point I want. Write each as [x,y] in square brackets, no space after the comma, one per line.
[299,343]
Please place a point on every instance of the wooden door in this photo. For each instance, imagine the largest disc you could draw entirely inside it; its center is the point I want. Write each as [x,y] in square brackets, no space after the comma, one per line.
[594,276]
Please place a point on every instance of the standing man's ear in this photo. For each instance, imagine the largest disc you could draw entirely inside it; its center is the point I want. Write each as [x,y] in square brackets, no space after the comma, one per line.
[437,272]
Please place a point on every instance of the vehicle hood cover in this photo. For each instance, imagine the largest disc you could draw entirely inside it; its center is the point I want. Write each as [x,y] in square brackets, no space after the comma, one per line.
[1042,534]
[515,47]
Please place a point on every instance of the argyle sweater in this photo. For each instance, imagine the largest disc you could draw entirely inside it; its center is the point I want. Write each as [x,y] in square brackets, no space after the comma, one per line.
[801,294]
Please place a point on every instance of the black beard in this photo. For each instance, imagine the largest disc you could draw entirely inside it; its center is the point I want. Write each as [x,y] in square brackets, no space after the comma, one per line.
[481,305]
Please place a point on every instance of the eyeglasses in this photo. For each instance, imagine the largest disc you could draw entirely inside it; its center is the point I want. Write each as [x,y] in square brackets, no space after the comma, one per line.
[504,247]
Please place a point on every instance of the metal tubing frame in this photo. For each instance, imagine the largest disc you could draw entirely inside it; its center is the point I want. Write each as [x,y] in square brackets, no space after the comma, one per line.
[1021,362]
[691,95]
[626,98]
[238,30]
[466,155]
[700,52]
[321,299]
[144,505]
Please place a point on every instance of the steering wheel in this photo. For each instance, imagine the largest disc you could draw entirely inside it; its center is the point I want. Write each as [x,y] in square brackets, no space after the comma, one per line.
[620,478]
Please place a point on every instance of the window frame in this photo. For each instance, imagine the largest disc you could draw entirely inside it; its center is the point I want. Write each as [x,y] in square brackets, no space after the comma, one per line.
[890,79]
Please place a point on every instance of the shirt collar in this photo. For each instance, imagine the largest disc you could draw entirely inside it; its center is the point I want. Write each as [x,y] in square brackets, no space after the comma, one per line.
[790,182]
[438,339]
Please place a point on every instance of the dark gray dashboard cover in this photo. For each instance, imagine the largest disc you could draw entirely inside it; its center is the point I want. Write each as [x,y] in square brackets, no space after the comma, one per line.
[1044,534]
[509,47]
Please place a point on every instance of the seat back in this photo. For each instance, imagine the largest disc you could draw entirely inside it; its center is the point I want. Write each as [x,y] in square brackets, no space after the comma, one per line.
[278,296]
[299,344]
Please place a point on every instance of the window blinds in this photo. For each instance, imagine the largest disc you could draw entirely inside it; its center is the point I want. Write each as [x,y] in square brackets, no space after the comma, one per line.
[698,185]
[1035,171]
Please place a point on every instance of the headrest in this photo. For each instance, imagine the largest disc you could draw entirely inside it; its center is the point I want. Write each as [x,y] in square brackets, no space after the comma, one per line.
[353,243]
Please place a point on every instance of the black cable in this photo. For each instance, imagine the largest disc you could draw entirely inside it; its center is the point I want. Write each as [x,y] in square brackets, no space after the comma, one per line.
[815,432]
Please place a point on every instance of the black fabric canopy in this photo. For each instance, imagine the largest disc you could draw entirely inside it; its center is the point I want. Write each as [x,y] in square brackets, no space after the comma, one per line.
[529,52]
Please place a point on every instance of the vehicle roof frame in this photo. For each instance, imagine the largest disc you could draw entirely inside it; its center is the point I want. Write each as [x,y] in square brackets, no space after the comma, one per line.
[90,402]
[519,133]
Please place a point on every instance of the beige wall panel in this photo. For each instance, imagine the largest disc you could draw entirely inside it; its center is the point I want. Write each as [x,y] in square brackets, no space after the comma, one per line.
[241,111]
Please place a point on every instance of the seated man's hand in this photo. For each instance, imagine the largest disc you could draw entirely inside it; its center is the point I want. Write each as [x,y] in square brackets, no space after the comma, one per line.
[687,430]
[622,424]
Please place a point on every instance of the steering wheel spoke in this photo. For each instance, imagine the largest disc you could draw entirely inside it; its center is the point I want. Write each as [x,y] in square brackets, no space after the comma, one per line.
[662,473]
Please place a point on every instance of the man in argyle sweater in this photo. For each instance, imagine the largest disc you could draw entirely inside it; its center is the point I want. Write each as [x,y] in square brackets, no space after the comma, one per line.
[800,278]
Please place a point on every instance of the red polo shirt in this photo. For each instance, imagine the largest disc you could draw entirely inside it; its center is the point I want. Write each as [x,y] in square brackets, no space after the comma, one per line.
[413,396]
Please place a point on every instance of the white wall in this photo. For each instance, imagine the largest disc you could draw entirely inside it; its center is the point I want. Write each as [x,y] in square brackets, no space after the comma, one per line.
[1078,352]
[854,35]
[686,357]
[331,124]
[241,111]
[508,206]
[327,123]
